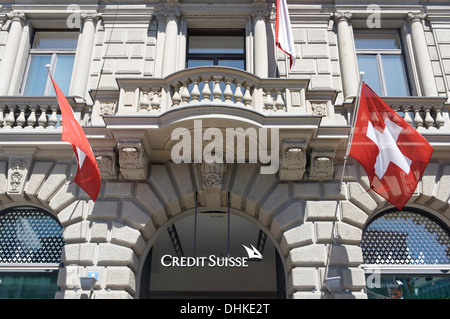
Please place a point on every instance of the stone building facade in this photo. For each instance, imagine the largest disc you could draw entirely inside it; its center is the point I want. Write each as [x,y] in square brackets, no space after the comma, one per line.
[133,86]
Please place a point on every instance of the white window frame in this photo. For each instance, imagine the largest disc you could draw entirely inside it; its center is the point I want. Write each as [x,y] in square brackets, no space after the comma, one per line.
[54,53]
[385,52]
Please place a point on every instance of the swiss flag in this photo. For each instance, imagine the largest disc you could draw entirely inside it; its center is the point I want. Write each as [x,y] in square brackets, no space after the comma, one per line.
[393,154]
[283,32]
[88,174]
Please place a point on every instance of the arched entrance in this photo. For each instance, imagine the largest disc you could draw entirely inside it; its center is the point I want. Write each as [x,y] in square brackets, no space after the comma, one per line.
[202,255]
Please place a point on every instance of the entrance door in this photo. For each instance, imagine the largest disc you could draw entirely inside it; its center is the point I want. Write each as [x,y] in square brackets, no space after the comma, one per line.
[203,256]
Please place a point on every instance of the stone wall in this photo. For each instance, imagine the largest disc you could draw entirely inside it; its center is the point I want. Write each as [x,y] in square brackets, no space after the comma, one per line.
[316,227]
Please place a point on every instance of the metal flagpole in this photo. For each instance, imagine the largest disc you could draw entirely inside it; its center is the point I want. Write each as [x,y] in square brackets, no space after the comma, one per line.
[352,130]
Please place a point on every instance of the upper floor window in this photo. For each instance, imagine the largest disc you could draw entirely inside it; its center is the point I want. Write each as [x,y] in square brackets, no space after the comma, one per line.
[380,57]
[56,49]
[220,47]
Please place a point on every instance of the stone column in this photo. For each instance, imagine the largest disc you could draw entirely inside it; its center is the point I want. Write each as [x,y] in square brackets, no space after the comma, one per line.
[84,56]
[261,55]
[172,14]
[421,54]
[347,55]
[11,50]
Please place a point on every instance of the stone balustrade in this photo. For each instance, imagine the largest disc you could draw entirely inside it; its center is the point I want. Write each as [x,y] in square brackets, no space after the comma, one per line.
[35,113]
[211,85]
[421,112]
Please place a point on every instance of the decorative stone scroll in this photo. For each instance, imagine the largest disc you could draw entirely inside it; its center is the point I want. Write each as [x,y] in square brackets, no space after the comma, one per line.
[293,160]
[132,160]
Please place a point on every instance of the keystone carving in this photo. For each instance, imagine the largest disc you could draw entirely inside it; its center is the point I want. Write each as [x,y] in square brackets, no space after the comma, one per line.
[132,160]
[212,176]
[322,165]
[292,160]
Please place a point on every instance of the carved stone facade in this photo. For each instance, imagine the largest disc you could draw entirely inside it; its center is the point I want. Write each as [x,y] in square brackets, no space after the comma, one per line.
[131,90]
[132,160]
[293,160]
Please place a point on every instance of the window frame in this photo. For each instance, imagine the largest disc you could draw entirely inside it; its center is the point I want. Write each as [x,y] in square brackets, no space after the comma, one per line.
[53,53]
[238,32]
[379,53]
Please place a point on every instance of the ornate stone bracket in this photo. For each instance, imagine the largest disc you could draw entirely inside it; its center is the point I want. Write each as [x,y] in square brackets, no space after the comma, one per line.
[322,165]
[292,160]
[132,160]
[17,173]
[107,163]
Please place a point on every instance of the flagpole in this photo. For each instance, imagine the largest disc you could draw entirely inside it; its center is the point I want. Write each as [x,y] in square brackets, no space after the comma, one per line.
[352,130]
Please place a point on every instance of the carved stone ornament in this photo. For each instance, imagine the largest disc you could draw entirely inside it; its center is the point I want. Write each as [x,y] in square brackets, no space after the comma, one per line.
[322,165]
[319,108]
[212,176]
[292,160]
[107,108]
[107,164]
[132,160]
[17,173]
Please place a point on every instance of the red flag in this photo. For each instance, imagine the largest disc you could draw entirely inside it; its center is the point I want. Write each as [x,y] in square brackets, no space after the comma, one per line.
[393,154]
[88,174]
[283,32]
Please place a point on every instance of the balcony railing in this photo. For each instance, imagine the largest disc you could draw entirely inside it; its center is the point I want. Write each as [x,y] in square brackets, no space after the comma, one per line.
[211,85]
[36,113]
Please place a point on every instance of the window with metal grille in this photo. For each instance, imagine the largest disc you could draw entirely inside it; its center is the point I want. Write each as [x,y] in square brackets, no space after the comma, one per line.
[30,235]
[405,237]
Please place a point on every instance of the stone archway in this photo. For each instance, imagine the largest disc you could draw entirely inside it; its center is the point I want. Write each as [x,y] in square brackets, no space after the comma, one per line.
[220,266]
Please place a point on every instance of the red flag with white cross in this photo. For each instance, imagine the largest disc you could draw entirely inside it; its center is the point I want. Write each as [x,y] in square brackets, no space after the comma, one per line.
[393,154]
[88,174]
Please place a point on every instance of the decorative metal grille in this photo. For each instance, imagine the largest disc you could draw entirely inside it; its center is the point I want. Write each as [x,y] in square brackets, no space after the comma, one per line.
[405,238]
[29,235]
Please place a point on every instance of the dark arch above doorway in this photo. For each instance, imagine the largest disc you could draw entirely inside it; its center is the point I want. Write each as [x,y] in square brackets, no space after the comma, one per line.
[174,269]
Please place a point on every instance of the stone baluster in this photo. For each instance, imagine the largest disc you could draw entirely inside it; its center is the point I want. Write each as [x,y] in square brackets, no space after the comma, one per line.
[42,120]
[195,93]
[155,103]
[176,98]
[418,121]
[21,120]
[31,121]
[185,95]
[407,116]
[228,93]
[238,96]
[217,91]
[439,118]
[206,92]
[279,103]
[10,118]
[247,96]
[53,120]
[429,121]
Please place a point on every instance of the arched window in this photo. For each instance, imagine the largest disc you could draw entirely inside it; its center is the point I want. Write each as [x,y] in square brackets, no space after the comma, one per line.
[31,243]
[406,254]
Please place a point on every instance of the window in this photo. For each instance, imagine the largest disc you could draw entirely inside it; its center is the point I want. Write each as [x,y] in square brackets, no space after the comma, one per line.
[380,57]
[31,243]
[216,47]
[407,255]
[56,49]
